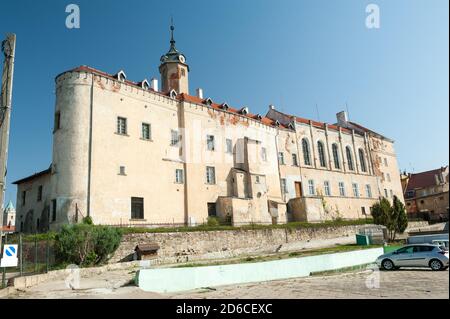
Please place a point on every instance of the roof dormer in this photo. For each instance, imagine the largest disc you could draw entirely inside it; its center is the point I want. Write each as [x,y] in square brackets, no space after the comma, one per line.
[173,94]
[276,123]
[291,126]
[244,110]
[144,84]
[224,106]
[208,101]
[121,76]
[258,117]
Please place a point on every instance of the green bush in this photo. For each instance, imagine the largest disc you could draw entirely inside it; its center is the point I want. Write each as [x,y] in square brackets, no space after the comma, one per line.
[212,221]
[88,220]
[85,244]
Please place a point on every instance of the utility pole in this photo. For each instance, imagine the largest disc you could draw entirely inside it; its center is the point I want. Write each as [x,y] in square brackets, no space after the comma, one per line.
[8,47]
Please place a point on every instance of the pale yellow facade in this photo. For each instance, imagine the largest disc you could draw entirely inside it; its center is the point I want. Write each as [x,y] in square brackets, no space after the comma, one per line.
[125,153]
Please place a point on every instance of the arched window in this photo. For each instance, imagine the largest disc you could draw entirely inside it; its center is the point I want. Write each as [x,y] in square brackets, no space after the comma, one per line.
[337,163]
[321,151]
[306,153]
[362,160]
[348,150]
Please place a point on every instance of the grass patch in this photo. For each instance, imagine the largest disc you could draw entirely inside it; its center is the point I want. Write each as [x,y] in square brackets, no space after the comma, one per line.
[205,227]
[278,256]
[341,270]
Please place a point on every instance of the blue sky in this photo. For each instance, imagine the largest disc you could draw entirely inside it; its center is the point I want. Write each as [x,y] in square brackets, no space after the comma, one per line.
[290,53]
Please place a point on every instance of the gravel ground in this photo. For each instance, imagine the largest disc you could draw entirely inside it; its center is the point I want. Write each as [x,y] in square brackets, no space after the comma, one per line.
[404,283]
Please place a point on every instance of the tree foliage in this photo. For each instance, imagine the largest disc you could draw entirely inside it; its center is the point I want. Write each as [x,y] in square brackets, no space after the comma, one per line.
[392,216]
[85,244]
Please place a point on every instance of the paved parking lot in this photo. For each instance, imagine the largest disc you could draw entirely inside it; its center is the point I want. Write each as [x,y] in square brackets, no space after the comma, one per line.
[404,283]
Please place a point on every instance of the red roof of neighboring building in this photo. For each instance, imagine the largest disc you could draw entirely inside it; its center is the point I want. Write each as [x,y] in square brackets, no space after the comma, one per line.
[423,180]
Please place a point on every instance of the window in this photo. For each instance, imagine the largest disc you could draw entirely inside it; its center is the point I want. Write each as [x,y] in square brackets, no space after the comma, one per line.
[212,210]
[355,190]
[39,196]
[388,176]
[392,193]
[264,154]
[385,162]
[368,191]
[137,208]
[229,145]
[383,177]
[122,170]
[311,188]
[210,175]
[335,150]
[174,138]
[363,210]
[146,131]
[183,72]
[294,160]
[362,160]
[283,186]
[281,158]
[306,153]
[326,187]
[341,189]
[348,151]
[121,125]
[53,210]
[385,193]
[210,142]
[24,197]
[321,151]
[179,176]
[57,124]
[257,179]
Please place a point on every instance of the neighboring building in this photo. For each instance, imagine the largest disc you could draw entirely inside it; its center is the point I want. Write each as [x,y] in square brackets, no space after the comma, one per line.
[426,194]
[128,153]
[9,218]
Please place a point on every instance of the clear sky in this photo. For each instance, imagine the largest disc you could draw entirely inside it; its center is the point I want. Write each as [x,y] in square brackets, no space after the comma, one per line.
[293,54]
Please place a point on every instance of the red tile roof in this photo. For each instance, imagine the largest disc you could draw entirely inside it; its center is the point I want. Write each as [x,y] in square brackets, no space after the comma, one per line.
[182,96]
[423,180]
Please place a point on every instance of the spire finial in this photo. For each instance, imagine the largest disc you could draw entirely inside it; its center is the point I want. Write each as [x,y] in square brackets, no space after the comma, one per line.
[172,40]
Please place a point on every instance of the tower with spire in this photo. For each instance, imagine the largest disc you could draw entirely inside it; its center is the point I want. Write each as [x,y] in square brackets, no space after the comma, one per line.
[173,69]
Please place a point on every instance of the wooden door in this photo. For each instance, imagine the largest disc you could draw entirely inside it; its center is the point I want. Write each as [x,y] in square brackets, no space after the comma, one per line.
[298,189]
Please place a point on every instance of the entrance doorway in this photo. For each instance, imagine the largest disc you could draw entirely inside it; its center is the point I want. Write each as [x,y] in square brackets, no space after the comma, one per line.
[298,189]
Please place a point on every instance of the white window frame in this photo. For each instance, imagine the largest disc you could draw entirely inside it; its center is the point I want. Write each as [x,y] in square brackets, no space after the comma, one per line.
[210,143]
[210,175]
[342,189]
[327,188]
[179,176]
[355,188]
[311,187]
[122,125]
[264,154]
[281,158]
[284,186]
[174,138]
[294,159]
[229,146]
[368,191]
[149,137]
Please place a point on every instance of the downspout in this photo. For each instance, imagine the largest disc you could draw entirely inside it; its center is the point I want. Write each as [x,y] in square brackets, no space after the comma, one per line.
[91,107]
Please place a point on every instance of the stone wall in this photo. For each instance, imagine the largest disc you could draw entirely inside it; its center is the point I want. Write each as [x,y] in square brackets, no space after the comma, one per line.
[189,246]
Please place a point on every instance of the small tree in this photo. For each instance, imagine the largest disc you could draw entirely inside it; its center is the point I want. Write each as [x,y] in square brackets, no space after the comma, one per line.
[393,217]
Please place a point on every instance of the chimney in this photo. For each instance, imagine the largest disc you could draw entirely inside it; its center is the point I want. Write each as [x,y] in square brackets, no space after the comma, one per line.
[271,107]
[154,84]
[342,118]
[200,93]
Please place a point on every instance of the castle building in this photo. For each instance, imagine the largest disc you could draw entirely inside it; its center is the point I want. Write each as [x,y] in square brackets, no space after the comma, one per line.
[128,152]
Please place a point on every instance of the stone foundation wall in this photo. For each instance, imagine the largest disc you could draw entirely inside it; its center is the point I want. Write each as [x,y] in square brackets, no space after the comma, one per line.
[189,246]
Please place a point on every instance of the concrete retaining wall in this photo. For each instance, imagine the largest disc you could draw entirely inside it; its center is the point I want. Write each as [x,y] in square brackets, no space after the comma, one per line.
[181,279]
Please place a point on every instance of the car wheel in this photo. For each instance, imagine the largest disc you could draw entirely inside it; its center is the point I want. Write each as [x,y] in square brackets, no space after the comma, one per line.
[436,265]
[387,264]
